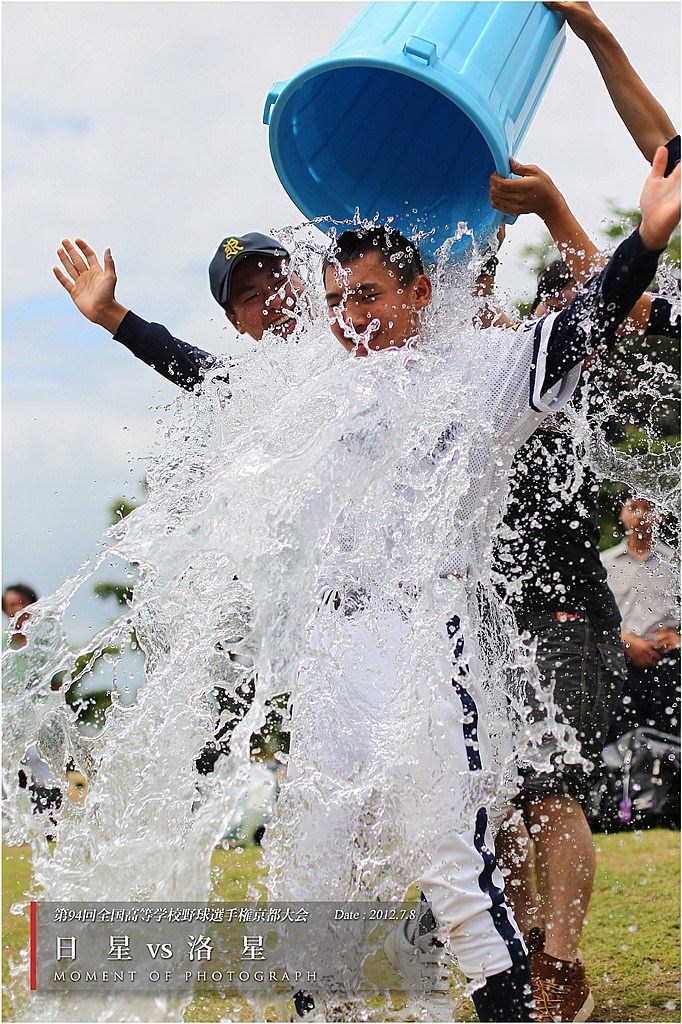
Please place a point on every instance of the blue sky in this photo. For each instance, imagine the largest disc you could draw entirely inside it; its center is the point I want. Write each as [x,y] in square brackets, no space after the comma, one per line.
[138,125]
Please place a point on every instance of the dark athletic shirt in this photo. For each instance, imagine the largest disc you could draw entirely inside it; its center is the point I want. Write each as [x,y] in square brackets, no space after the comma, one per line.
[178,362]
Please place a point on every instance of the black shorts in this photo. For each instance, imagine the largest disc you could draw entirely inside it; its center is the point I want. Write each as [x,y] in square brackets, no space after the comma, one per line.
[587,669]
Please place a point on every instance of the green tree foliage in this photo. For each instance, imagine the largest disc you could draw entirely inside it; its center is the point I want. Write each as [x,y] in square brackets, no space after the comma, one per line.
[539,255]
[91,706]
[121,593]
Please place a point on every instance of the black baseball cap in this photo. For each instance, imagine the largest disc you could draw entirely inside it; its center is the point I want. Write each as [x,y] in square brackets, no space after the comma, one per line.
[232,251]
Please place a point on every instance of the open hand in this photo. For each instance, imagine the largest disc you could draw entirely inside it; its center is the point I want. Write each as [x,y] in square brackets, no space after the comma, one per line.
[659,203]
[90,285]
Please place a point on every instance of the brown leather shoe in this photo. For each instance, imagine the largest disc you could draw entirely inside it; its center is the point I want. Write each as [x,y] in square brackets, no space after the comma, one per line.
[560,989]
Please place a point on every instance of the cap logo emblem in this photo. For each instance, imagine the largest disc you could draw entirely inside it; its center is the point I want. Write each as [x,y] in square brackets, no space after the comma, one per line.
[232,247]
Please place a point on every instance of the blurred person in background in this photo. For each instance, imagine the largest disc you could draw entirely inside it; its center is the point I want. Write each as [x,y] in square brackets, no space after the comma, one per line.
[643,575]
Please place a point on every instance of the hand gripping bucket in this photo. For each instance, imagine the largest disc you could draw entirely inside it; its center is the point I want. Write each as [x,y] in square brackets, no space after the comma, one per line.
[410,113]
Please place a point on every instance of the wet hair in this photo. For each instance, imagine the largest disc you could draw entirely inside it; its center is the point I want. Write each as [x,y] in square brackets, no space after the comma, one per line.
[23,590]
[552,281]
[398,254]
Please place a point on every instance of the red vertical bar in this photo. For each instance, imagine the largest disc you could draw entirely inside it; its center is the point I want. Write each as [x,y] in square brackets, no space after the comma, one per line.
[32,948]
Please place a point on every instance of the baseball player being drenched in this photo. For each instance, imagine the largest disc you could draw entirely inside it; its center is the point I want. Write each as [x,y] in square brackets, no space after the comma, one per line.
[376,292]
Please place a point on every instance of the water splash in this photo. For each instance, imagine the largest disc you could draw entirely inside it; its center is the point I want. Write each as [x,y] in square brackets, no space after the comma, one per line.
[294,538]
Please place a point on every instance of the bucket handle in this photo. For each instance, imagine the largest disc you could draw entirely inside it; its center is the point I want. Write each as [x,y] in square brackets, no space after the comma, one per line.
[271,99]
[422,49]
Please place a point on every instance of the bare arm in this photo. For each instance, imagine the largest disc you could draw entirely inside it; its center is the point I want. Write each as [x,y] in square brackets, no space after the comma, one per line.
[667,639]
[535,192]
[640,112]
[640,651]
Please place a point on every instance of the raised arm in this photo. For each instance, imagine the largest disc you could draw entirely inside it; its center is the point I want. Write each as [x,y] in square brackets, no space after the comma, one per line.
[640,112]
[659,204]
[593,317]
[535,192]
[92,288]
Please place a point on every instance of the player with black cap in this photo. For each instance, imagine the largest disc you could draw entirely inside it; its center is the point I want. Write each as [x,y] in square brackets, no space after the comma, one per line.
[239,281]
[249,277]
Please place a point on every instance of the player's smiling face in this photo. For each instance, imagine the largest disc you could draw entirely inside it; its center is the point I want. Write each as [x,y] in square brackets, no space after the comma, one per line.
[263,296]
[368,307]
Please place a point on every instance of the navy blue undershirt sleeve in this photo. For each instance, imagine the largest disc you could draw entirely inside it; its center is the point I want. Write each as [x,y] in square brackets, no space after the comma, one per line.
[662,324]
[178,362]
[592,318]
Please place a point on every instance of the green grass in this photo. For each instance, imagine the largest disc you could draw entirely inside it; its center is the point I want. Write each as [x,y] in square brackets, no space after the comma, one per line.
[631,942]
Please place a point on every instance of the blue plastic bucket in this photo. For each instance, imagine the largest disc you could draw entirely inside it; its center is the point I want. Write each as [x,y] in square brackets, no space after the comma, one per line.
[410,113]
